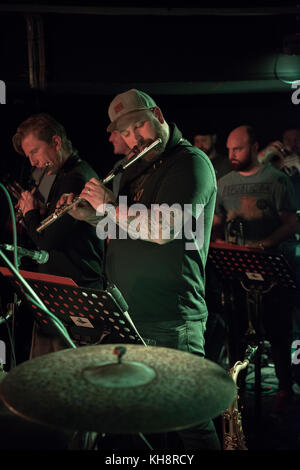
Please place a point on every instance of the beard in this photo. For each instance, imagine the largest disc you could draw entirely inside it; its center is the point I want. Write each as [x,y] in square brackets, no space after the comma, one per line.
[236,165]
[207,151]
[160,132]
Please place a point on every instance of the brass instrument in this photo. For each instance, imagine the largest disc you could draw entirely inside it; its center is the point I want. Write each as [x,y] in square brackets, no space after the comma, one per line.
[16,190]
[77,199]
[233,435]
[285,159]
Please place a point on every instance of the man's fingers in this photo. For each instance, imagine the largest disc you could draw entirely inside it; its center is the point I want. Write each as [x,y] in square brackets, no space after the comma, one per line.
[94,181]
[64,199]
[81,205]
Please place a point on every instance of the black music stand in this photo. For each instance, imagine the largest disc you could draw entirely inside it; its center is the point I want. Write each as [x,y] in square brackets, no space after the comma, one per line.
[258,272]
[79,309]
[89,315]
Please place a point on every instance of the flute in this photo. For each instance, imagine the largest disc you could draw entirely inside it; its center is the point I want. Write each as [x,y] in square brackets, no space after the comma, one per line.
[77,199]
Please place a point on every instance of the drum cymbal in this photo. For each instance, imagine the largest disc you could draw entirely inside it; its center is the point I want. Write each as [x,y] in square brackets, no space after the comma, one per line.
[152,389]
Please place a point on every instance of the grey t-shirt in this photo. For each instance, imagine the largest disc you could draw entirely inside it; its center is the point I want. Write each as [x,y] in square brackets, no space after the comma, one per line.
[251,203]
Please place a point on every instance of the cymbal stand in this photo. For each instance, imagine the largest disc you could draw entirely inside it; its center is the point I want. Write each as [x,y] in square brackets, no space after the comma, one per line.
[255,333]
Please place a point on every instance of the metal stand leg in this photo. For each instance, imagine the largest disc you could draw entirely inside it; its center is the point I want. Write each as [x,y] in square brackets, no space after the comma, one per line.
[256,333]
[94,441]
[145,440]
[257,381]
[255,337]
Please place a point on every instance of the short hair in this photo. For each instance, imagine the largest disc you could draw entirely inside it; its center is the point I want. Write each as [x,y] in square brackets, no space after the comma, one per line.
[44,127]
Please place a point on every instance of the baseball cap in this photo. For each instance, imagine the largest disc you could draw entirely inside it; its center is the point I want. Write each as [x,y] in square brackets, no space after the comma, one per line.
[125,103]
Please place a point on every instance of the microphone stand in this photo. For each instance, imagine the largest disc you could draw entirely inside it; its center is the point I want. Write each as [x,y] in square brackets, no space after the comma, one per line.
[62,332]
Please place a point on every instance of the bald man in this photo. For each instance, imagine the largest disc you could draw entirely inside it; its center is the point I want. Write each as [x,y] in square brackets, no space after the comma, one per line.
[259,198]
[255,207]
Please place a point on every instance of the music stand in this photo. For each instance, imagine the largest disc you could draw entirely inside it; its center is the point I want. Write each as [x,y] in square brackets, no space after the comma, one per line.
[258,272]
[86,313]
[91,308]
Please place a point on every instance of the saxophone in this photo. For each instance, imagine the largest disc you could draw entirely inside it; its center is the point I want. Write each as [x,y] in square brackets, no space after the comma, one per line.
[233,435]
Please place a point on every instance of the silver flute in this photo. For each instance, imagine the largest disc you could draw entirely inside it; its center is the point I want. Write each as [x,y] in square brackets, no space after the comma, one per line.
[77,199]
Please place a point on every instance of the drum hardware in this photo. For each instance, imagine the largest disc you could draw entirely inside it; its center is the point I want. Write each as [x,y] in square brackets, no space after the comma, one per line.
[147,390]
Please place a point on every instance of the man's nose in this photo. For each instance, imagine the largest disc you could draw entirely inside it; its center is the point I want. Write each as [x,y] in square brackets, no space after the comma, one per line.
[139,139]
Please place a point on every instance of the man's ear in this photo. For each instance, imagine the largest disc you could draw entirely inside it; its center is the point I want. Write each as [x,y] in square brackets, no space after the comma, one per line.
[56,139]
[214,138]
[158,114]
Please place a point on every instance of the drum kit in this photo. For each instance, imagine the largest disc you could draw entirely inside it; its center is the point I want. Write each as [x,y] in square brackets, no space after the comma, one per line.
[127,389]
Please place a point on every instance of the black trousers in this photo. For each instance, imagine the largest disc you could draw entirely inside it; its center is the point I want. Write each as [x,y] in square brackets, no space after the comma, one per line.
[186,336]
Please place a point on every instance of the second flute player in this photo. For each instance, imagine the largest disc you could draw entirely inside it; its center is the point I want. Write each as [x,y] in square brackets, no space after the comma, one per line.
[73,247]
[74,250]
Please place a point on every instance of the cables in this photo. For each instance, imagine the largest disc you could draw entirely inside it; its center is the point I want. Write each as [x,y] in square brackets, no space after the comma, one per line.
[31,295]
[14,226]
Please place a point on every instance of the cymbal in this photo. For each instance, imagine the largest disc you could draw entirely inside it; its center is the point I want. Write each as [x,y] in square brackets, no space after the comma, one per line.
[152,389]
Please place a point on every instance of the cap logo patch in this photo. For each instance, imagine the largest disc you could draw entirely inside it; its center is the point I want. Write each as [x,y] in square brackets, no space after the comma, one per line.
[118,108]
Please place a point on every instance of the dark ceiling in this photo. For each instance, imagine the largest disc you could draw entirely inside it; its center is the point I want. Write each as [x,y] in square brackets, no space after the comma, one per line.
[96,47]
[209,64]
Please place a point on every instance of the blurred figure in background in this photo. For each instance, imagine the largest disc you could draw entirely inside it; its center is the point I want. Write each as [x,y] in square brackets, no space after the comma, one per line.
[284,154]
[205,139]
[255,207]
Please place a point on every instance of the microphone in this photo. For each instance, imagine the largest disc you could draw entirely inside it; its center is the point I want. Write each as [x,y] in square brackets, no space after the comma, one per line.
[118,297]
[41,257]
[115,293]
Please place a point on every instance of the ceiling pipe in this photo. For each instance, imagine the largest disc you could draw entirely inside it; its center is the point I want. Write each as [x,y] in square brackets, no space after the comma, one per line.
[150,11]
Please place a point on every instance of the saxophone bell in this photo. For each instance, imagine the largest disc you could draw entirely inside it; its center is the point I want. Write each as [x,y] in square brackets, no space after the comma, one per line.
[233,434]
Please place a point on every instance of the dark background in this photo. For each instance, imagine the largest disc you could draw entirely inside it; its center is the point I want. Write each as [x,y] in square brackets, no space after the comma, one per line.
[209,66]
